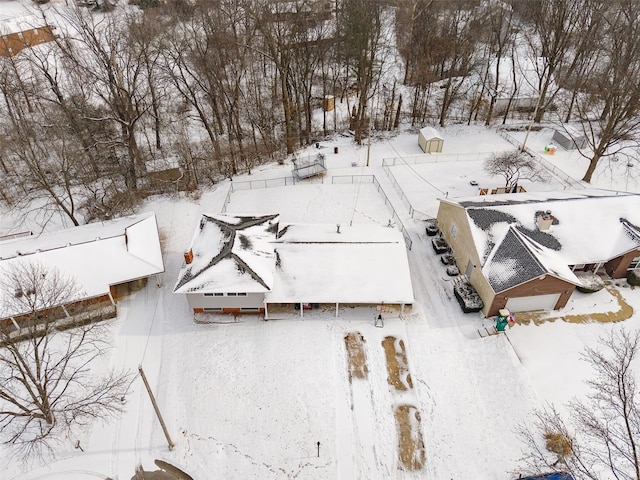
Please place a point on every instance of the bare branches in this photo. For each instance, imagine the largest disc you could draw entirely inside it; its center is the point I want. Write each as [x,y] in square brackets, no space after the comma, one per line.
[510,165]
[47,382]
[606,424]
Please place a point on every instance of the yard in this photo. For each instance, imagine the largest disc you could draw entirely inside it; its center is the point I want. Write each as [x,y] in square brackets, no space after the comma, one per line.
[422,397]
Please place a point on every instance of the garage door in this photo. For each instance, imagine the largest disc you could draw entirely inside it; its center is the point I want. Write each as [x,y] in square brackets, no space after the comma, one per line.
[536,302]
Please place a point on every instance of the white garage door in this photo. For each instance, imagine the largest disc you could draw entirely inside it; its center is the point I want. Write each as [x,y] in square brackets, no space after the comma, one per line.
[537,302]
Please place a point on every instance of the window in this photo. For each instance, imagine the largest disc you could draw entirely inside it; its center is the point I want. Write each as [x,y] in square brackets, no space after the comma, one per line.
[454,230]
[212,309]
[242,294]
[217,294]
[208,294]
[231,294]
[635,263]
[248,308]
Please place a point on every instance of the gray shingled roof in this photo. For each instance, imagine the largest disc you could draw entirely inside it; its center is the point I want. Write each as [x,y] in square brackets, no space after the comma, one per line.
[512,264]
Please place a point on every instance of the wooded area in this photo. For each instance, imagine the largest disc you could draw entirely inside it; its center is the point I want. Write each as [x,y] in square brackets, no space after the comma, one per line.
[158,96]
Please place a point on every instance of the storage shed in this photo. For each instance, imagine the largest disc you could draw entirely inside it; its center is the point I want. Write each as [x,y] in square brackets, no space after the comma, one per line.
[430,140]
[569,138]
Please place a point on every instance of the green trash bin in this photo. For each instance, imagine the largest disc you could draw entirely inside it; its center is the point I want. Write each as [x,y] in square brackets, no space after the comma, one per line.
[504,318]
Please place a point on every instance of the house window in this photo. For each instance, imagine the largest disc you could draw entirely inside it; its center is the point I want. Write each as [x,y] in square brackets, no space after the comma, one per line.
[218,294]
[454,230]
[231,294]
[212,309]
[635,263]
[242,294]
[208,294]
[248,308]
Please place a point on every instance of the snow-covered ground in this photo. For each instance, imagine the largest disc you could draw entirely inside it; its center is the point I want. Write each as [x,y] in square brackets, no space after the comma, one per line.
[253,399]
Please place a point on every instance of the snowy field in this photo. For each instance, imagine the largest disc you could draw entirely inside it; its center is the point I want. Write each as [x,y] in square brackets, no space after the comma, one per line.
[253,399]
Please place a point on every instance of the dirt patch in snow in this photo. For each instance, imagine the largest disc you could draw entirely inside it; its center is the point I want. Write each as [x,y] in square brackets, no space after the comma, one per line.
[356,355]
[625,311]
[410,443]
[397,367]
[166,472]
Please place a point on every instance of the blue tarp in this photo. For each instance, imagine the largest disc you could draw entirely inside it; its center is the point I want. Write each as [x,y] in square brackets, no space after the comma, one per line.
[551,476]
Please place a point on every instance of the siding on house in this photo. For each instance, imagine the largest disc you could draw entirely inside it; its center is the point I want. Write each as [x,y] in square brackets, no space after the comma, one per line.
[453,219]
[13,43]
[617,267]
[200,300]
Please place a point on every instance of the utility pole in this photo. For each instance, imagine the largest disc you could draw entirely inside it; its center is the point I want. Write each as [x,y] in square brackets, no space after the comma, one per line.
[523,147]
[155,407]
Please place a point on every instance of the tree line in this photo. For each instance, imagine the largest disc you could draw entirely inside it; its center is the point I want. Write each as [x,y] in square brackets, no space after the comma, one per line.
[218,86]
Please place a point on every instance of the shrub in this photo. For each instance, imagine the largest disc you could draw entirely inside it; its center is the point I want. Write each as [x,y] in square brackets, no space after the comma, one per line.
[633,278]
[448,259]
[468,297]
[432,227]
[557,443]
[440,245]
[590,282]
[453,271]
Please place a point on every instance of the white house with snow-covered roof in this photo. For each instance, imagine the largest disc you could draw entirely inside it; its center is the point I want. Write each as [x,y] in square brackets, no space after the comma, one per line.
[104,260]
[522,251]
[238,264]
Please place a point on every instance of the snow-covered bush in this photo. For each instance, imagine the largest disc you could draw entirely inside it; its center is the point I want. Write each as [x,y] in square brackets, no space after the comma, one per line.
[633,278]
[448,259]
[590,282]
[432,227]
[468,297]
[453,271]
[440,245]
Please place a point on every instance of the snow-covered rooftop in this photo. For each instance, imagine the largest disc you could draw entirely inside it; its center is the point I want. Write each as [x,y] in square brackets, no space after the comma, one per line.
[230,254]
[589,226]
[360,264]
[297,263]
[17,17]
[95,255]
[430,132]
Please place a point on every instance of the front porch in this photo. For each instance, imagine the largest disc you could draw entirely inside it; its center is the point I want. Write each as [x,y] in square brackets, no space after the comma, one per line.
[61,318]
[324,311]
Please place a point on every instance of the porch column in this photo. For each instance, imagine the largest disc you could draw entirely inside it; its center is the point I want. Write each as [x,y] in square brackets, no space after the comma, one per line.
[111,298]
[65,311]
[15,324]
[301,310]
[266,311]
[337,308]
[402,309]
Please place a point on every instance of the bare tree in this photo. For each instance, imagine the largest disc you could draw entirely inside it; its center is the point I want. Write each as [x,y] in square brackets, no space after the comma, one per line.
[616,95]
[440,56]
[47,385]
[101,49]
[554,23]
[510,165]
[603,440]
[361,26]
[501,37]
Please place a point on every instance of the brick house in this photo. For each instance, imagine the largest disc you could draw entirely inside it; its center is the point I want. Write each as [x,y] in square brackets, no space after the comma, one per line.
[521,251]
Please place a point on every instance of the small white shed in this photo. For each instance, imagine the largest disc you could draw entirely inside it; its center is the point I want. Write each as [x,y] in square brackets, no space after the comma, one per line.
[569,138]
[430,140]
